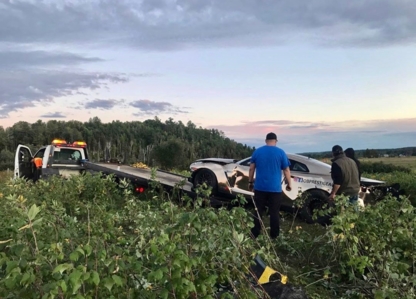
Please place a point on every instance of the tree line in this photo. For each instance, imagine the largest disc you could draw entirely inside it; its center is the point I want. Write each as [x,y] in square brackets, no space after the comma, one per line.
[170,144]
[369,153]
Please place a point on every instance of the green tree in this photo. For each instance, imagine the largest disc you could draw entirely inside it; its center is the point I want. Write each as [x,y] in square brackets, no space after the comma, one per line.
[169,154]
[130,141]
[6,159]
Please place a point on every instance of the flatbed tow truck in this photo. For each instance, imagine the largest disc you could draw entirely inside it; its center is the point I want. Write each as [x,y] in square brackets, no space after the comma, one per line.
[65,159]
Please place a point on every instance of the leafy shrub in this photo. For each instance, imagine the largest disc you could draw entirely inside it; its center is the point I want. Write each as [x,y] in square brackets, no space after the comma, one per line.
[85,238]
[367,253]
[376,247]
[407,181]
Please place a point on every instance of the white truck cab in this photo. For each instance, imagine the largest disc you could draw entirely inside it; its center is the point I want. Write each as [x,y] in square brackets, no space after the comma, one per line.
[58,158]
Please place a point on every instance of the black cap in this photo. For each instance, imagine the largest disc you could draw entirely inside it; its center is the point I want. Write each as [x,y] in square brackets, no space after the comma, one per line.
[337,149]
[271,136]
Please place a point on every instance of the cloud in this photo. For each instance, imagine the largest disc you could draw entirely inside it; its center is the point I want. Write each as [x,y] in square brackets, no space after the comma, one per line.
[287,123]
[102,104]
[23,88]
[322,136]
[252,128]
[147,107]
[167,24]
[53,115]
[11,59]
[271,122]
[29,77]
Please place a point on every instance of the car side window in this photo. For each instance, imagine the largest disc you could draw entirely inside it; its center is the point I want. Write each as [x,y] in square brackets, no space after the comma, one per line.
[297,166]
[246,162]
[40,153]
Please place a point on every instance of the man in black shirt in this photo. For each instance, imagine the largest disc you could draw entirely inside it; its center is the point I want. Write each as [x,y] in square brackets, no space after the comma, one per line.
[344,173]
[350,153]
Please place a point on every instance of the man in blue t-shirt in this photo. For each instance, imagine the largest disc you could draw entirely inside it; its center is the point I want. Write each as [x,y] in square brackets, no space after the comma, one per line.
[268,162]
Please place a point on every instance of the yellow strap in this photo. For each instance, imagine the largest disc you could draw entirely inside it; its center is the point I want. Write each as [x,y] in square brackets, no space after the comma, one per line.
[265,276]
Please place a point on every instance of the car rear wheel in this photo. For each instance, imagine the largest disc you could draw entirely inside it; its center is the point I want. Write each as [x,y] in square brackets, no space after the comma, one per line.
[316,200]
[208,177]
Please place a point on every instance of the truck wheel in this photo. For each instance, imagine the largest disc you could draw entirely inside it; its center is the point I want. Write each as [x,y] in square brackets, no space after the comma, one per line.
[208,177]
[315,201]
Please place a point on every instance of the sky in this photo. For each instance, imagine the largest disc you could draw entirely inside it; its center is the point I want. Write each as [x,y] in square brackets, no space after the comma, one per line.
[315,72]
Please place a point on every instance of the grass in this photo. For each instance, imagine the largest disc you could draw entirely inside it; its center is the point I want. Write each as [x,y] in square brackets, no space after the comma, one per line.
[409,162]
[5,175]
[306,263]
[298,250]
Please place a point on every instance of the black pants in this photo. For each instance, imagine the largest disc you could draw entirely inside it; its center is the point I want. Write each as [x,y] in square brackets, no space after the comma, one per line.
[36,174]
[273,201]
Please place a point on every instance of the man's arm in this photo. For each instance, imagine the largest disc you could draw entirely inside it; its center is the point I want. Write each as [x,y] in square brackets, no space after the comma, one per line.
[288,178]
[336,175]
[334,191]
[251,176]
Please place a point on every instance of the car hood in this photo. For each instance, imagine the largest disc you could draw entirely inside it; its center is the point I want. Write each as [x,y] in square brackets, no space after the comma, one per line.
[367,181]
[217,160]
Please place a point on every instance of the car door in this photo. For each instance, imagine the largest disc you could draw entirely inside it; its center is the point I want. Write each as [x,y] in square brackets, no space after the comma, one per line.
[297,171]
[241,170]
[23,165]
[239,176]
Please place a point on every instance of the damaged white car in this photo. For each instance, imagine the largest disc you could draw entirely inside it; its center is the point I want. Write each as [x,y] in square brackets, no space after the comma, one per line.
[228,178]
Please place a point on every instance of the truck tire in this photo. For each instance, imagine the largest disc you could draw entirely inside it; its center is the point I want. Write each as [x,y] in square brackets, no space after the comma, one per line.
[208,177]
[315,200]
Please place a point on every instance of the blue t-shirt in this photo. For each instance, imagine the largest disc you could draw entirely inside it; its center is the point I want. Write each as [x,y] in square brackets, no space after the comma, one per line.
[270,161]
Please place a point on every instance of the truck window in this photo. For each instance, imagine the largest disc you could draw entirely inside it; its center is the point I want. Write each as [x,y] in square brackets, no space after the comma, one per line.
[40,153]
[67,154]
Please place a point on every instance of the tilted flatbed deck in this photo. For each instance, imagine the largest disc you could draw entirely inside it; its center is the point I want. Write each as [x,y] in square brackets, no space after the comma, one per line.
[142,177]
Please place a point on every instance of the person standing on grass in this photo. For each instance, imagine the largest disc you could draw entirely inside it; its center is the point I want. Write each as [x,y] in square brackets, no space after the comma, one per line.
[350,153]
[344,173]
[268,162]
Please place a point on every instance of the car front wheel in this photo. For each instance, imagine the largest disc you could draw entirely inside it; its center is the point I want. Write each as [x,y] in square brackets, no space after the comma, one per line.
[316,200]
[208,177]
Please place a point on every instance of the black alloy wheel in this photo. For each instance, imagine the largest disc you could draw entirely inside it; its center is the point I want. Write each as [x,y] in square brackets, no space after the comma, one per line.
[208,177]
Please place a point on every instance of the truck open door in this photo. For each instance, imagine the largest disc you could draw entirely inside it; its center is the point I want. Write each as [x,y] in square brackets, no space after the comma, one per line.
[23,165]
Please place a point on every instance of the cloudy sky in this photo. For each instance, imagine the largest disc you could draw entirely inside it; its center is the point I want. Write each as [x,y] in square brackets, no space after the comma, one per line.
[316,72]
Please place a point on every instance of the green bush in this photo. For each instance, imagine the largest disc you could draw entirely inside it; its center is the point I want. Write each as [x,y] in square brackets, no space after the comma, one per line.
[380,167]
[375,248]
[407,181]
[85,238]
[367,253]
